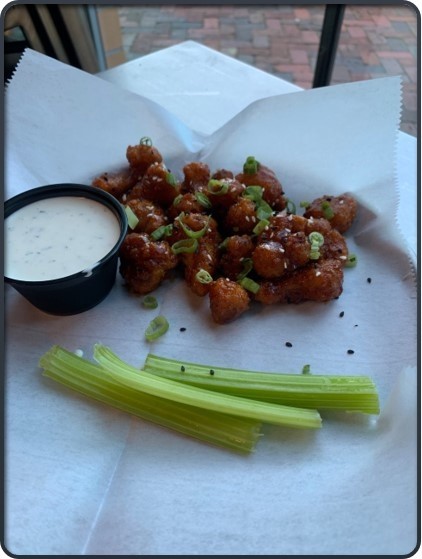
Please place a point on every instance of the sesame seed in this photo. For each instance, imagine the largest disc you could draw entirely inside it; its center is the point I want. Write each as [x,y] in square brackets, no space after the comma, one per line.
[369,280]
[183,329]
[289,344]
[350,351]
[341,314]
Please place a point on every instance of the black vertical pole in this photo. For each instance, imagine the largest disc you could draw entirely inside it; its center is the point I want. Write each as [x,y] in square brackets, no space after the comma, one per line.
[330,33]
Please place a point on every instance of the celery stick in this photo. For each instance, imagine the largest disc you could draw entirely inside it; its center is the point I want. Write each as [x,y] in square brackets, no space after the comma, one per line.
[233,433]
[173,390]
[335,392]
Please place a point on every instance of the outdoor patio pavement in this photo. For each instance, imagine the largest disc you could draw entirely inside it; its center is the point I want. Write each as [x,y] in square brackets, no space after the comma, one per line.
[375,41]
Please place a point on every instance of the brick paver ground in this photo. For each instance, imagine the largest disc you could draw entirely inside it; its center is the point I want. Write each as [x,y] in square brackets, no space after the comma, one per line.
[375,41]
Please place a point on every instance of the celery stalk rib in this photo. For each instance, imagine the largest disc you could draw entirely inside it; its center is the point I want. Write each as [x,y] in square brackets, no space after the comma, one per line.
[90,379]
[335,392]
[152,384]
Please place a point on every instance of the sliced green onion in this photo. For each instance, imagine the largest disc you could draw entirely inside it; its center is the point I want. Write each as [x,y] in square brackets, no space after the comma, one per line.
[304,204]
[156,328]
[247,266]
[132,218]
[336,392]
[290,207]
[251,165]
[203,276]
[306,370]
[203,200]
[171,179]
[351,261]
[253,193]
[316,238]
[150,302]
[177,200]
[327,210]
[264,210]
[142,381]
[162,231]
[249,284]
[93,381]
[145,141]
[190,232]
[223,244]
[260,226]
[217,187]
[187,246]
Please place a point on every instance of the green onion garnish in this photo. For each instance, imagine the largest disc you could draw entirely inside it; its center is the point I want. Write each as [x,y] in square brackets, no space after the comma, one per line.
[249,284]
[264,210]
[327,210]
[247,265]
[145,141]
[203,200]
[187,246]
[290,207]
[260,226]
[203,276]
[251,165]
[150,302]
[171,179]
[306,370]
[156,328]
[93,380]
[217,187]
[317,240]
[253,193]
[190,232]
[177,199]
[304,204]
[337,392]
[351,261]
[132,218]
[162,231]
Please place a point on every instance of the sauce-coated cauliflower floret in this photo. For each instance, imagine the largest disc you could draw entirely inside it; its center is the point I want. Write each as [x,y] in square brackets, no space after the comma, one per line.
[228,300]
[145,263]
[116,184]
[196,176]
[256,174]
[150,215]
[339,210]
[320,281]
[237,249]
[157,185]
[142,156]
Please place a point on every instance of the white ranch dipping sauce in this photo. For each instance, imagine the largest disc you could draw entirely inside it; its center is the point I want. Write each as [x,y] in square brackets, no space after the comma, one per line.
[57,237]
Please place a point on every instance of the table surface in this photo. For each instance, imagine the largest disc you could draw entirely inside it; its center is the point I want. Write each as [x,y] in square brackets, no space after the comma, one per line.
[215,87]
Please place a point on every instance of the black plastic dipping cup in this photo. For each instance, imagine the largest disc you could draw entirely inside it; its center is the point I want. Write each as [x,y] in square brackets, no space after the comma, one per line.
[81,291]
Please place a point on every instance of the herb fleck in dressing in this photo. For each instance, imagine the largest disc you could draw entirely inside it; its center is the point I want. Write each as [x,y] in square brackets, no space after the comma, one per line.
[57,237]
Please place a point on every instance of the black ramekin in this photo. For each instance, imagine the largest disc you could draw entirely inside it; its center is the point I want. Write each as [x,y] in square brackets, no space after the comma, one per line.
[81,291]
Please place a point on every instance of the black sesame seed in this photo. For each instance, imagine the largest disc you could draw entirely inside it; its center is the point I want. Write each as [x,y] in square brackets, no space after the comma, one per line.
[212,371]
[350,351]
[289,344]
[341,314]
[182,368]
[182,329]
[369,280]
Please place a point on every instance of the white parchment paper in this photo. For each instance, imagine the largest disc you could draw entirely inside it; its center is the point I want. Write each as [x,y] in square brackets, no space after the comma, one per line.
[82,478]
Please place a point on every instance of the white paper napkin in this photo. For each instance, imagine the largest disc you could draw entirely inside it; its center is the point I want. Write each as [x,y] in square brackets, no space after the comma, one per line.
[83,478]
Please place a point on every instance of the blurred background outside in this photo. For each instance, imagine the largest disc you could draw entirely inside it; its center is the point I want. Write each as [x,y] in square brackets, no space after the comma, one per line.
[375,41]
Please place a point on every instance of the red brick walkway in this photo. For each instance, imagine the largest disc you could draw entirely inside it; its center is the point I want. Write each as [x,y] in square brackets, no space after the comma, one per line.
[376,41]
